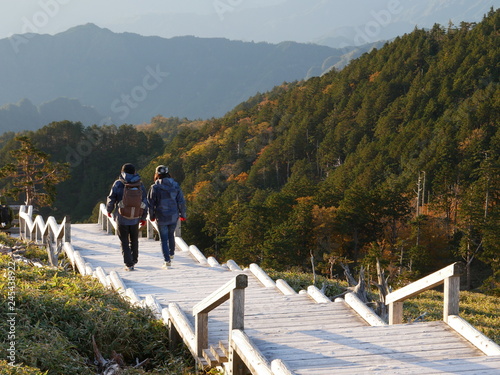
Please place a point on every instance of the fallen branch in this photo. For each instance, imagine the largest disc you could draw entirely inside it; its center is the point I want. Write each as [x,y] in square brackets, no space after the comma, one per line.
[115,365]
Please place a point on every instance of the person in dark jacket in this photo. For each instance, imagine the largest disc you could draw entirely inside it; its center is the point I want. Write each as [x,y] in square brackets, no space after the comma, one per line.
[166,205]
[128,228]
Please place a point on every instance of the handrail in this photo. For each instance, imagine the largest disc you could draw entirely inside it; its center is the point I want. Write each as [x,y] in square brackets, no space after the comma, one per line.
[107,223]
[450,276]
[46,232]
[234,290]
[244,350]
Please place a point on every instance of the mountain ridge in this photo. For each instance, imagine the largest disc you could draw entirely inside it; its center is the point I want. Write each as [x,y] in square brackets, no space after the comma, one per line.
[131,78]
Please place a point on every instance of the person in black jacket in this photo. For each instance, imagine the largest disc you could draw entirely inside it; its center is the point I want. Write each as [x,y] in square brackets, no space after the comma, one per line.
[166,205]
[128,228]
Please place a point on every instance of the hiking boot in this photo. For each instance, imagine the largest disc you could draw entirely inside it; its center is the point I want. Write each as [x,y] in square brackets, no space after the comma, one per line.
[127,268]
[166,264]
[171,256]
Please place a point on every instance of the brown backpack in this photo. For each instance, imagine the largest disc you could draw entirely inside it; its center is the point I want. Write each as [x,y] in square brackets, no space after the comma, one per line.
[131,206]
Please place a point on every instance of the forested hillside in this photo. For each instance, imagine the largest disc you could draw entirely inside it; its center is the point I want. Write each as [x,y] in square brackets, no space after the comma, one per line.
[396,157]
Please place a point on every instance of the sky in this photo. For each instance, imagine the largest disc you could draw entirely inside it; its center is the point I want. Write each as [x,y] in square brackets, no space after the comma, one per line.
[337,21]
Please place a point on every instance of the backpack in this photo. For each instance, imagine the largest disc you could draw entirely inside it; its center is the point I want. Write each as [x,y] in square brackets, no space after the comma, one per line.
[5,217]
[131,206]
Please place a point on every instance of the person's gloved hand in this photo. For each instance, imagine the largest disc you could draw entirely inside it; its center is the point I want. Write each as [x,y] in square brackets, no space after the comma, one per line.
[183,218]
[109,214]
[142,223]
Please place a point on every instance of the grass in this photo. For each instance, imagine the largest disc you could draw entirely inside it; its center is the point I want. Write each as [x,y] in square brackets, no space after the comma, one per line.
[56,314]
[480,310]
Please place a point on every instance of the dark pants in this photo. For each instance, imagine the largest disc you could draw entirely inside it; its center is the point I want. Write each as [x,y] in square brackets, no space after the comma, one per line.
[167,238]
[129,238]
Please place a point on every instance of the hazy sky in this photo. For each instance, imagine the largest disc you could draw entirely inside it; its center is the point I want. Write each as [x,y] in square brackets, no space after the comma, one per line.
[52,16]
[250,20]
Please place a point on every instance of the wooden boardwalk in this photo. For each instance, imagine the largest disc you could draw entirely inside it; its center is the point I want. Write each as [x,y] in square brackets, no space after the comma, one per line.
[308,337]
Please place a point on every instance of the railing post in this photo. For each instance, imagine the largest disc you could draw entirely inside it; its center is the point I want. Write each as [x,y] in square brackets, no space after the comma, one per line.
[178,228]
[451,296]
[108,226]
[237,312]
[21,228]
[396,313]
[103,220]
[67,229]
[201,328]
[232,291]
[149,229]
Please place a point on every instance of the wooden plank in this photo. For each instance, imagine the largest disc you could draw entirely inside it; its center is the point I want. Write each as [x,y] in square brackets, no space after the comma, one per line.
[285,288]
[101,276]
[210,358]
[183,326]
[278,367]
[219,354]
[317,295]
[364,311]
[367,359]
[340,352]
[471,334]
[134,298]
[154,305]
[249,354]
[231,264]
[466,366]
[80,263]
[343,344]
[197,254]
[262,276]
[424,284]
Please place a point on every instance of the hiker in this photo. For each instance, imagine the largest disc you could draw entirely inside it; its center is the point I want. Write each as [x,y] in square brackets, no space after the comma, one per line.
[128,195]
[5,214]
[166,205]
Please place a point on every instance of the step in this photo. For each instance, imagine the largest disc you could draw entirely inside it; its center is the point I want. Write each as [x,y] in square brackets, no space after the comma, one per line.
[219,354]
[224,347]
[210,358]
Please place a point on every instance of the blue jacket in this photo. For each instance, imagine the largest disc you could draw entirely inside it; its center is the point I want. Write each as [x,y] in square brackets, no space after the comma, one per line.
[166,201]
[116,195]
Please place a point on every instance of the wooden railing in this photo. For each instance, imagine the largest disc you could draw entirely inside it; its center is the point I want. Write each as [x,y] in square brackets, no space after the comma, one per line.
[234,291]
[49,233]
[449,276]
[110,225]
[107,223]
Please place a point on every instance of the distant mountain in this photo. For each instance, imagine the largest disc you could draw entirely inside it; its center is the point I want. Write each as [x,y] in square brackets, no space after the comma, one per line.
[335,23]
[131,78]
[24,115]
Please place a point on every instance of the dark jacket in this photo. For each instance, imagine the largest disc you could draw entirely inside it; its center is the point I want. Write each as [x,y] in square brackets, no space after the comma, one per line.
[116,195]
[166,201]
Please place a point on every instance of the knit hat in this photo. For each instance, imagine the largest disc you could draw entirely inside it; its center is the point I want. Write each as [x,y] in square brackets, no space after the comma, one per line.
[128,168]
[161,170]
